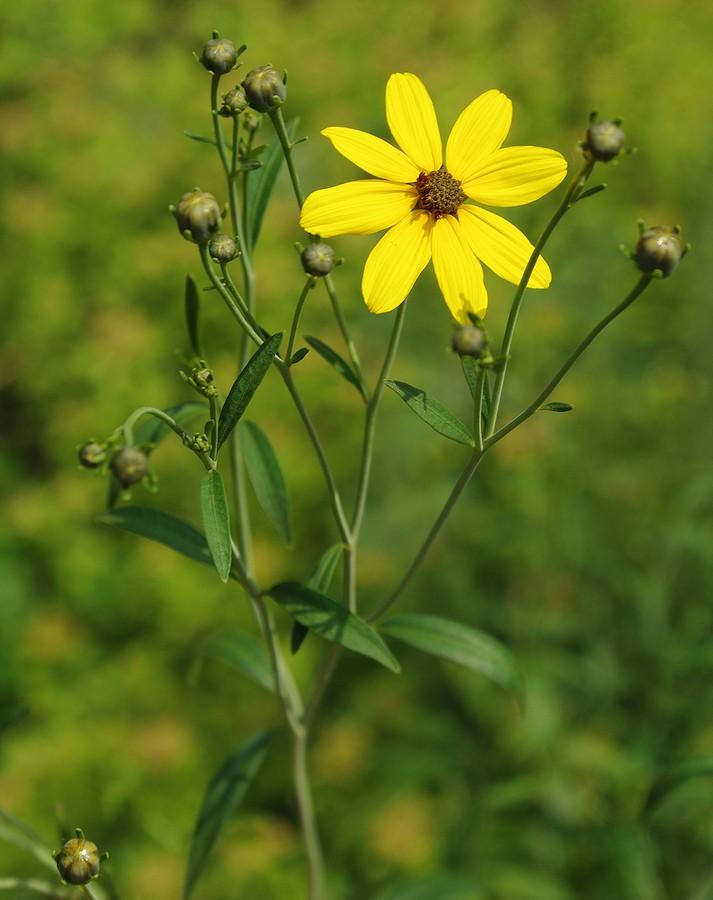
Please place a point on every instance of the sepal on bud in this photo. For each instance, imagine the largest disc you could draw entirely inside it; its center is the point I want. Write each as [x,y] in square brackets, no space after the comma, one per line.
[265,88]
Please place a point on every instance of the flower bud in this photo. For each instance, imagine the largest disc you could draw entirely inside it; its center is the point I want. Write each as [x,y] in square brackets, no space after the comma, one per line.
[234,102]
[659,249]
[91,455]
[262,85]
[129,465]
[603,141]
[318,259]
[469,340]
[223,248]
[198,216]
[78,861]
[219,56]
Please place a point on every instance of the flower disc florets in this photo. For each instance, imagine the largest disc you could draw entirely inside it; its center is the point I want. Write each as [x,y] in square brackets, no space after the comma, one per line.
[439,193]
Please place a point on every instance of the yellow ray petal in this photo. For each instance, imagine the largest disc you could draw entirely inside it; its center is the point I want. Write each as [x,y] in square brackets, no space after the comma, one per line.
[412,121]
[479,131]
[373,155]
[515,175]
[395,263]
[357,207]
[459,274]
[501,246]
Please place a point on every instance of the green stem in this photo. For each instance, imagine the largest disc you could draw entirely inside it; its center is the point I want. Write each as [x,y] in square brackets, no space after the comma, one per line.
[309,284]
[351,348]
[278,122]
[238,314]
[308,821]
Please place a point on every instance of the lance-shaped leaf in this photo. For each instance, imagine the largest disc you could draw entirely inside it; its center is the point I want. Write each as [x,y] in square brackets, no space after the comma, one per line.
[432,412]
[319,580]
[267,478]
[338,363]
[245,385]
[243,652]
[332,621]
[675,775]
[162,527]
[216,522]
[557,406]
[459,644]
[192,308]
[223,795]
[260,183]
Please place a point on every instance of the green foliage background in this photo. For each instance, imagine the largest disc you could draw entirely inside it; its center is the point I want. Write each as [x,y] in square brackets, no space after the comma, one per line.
[585,546]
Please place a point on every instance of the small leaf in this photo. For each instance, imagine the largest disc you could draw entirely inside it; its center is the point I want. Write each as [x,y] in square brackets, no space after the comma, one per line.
[243,652]
[162,527]
[199,137]
[299,355]
[245,385]
[151,430]
[267,478]
[222,796]
[432,412]
[459,644]
[216,522]
[297,637]
[335,361]
[323,572]
[192,308]
[260,185]
[557,406]
[675,775]
[332,621]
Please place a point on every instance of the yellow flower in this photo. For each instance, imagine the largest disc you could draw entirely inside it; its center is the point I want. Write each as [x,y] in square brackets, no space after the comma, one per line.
[423,202]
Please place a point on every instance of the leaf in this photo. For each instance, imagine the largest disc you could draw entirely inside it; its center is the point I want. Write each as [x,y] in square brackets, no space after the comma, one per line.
[259,186]
[443,887]
[459,644]
[675,775]
[432,412]
[323,572]
[335,361]
[332,621]
[557,406]
[162,527]
[22,836]
[297,637]
[224,793]
[470,371]
[192,307]
[199,137]
[152,430]
[267,479]
[216,522]
[243,652]
[245,385]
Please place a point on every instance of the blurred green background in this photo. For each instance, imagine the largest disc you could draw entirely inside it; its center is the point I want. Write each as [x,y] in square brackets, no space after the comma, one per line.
[585,545]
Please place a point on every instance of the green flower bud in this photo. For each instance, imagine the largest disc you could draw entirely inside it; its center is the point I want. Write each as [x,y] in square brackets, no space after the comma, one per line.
[469,340]
[202,380]
[318,259]
[78,861]
[603,141]
[264,88]
[219,56]
[234,102]
[223,248]
[129,465]
[91,455]
[660,249]
[198,216]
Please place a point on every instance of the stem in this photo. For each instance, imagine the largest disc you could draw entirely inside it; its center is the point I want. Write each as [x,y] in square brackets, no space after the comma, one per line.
[279,124]
[240,316]
[351,348]
[309,284]
[308,821]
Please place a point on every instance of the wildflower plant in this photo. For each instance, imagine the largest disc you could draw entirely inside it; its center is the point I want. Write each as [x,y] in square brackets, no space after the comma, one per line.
[433,203]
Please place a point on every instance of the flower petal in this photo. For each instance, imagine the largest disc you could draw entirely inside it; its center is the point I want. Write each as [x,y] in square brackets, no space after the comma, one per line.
[459,274]
[501,246]
[396,261]
[412,121]
[515,175]
[377,157]
[357,207]
[479,131]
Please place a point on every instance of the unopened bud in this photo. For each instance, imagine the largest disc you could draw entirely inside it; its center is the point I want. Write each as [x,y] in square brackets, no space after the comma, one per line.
[469,340]
[219,56]
[234,102]
[223,248]
[660,249]
[603,141]
[78,861]
[129,465]
[264,88]
[318,259]
[198,216]
[91,455]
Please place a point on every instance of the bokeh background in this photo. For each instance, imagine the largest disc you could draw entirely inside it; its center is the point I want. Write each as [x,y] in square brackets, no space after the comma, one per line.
[585,545]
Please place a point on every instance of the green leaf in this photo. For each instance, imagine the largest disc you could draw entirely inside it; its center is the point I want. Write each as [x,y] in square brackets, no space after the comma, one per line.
[675,775]
[162,527]
[443,887]
[557,406]
[20,835]
[267,478]
[260,185]
[192,307]
[216,522]
[470,371]
[332,621]
[459,644]
[335,361]
[243,652]
[199,137]
[245,385]
[222,796]
[432,412]
[297,637]
[323,572]
[152,430]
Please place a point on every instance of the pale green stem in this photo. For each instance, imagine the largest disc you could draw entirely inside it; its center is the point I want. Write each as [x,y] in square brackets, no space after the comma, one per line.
[309,284]
[128,430]
[238,314]
[351,348]
[308,821]
[279,125]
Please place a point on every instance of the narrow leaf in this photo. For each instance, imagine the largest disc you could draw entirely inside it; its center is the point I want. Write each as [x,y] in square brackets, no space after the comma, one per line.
[323,572]
[260,185]
[675,775]
[432,412]
[459,644]
[162,527]
[199,137]
[243,652]
[192,307]
[223,795]
[557,406]
[297,637]
[335,361]
[245,385]
[267,478]
[332,621]
[444,887]
[152,430]
[216,521]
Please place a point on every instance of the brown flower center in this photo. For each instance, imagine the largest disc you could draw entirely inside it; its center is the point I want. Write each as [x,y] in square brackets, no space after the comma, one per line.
[439,193]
